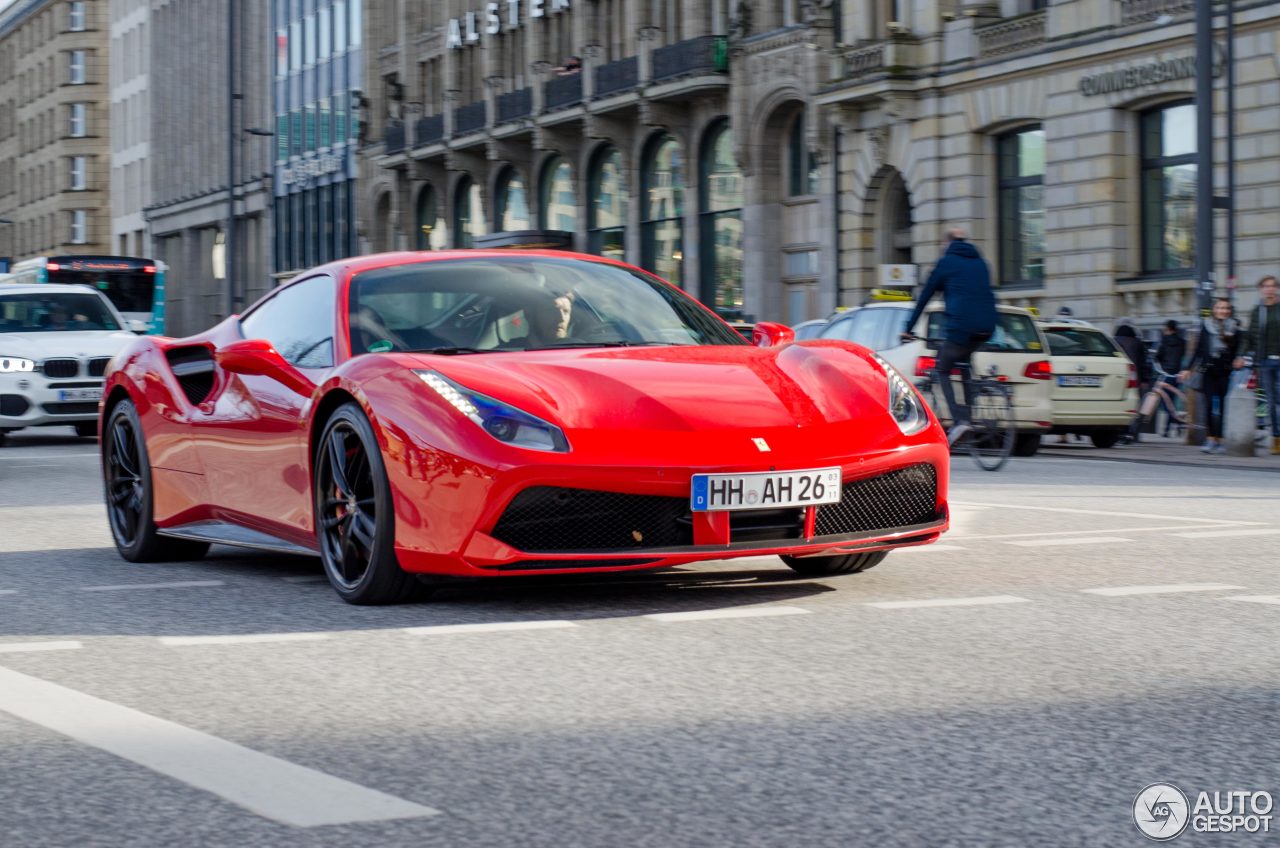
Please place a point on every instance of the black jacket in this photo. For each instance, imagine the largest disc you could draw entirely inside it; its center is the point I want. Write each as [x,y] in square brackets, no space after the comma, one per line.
[1172,350]
[1135,350]
[962,277]
[1204,359]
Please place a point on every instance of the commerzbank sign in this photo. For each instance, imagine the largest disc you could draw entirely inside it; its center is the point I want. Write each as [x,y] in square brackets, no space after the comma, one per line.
[1143,74]
[497,16]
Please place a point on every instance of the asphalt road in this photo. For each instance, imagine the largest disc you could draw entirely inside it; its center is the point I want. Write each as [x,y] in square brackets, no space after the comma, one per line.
[1019,706]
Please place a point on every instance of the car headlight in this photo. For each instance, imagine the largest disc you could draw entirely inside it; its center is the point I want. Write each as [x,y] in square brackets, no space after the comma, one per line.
[904,403]
[500,420]
[16,365]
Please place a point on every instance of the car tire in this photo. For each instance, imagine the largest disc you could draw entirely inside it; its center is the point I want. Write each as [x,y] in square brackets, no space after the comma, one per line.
[128,491]
[829,565]
[354,516]
[1026,444]
[87,429]
[1106,438]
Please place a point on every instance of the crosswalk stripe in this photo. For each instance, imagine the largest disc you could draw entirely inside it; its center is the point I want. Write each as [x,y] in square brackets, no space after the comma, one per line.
[241,639]
[486,627]
[28,647]
[1254,599]
[269,786]
[1217,534]
[950,602]
[1119,591]
[735,612]
[1077,540]
[182,584]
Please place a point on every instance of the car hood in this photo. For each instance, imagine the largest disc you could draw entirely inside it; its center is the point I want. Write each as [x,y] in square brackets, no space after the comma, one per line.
[71,343]
[682,388]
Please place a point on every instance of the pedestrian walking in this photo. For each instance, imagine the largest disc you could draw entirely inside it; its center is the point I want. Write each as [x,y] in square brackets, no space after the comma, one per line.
[1261,345]
[965,282]
[1214,357]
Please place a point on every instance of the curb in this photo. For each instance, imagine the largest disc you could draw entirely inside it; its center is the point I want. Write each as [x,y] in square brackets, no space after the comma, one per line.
[1118,456]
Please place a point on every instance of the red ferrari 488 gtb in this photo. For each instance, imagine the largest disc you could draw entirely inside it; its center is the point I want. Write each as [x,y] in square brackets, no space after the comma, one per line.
[487,413]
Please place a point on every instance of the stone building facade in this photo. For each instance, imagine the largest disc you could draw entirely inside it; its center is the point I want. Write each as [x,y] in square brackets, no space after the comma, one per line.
[55,133]
[773,157]
[191,128]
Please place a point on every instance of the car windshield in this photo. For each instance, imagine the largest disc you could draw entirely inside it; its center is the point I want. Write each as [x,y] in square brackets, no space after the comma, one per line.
[1014,333]
[522,303]
[1073,342]
[42,313]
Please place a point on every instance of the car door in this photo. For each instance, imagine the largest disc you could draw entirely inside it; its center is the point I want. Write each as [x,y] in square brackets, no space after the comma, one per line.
[254,445]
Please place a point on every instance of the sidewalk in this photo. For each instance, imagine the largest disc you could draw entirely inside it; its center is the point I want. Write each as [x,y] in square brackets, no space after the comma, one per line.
[1160,450]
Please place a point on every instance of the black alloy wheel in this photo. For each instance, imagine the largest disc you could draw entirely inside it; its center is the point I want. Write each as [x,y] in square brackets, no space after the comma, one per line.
[355,524]
[826,566]
[126,471]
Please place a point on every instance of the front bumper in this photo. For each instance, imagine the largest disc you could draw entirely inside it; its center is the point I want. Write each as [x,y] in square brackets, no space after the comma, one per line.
[33,399]
[896,499]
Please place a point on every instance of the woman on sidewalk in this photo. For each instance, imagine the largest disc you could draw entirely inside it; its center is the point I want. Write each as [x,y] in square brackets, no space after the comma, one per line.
[1216,347]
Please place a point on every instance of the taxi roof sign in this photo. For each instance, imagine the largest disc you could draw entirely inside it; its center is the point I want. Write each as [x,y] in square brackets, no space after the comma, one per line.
[890,294]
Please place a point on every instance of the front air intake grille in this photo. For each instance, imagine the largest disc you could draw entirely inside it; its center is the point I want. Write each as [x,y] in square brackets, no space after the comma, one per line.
[71,408]
[900,498]
[14,405]
[61,369]
[550,518]
[98,367]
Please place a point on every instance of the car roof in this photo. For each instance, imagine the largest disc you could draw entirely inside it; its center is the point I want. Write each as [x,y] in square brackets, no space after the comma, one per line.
[47,288]
[358,264]
[1051,326]
[932,307]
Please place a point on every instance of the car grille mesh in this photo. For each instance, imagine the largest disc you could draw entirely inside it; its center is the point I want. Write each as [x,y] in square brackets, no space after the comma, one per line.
[71,407]
[551,518]
[60,369]
[900,498]
[563,520]
[98,367]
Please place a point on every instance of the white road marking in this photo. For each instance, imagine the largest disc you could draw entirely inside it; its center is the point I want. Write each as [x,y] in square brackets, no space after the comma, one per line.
[263,784]
[186,584]
[1254,599]
[1042,535]
[1073,511]
[1214,534]
[1118,591]
[20,455]
[735,612]
[25,647]
[1070,540]
[8,591]
[305,578]
[242,639]
[950,602]
[926,548]
[486,627]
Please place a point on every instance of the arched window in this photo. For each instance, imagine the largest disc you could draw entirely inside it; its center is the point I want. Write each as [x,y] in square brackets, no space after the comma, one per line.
[557,209]
[608,205]
[426,220]
[512,207]
[720,219]
[468,215]
[662,192]
[802,166]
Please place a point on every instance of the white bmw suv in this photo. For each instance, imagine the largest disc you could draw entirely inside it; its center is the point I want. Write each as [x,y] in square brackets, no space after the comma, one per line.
[55,343]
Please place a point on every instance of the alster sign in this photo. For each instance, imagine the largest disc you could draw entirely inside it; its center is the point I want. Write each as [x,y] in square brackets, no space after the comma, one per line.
[466,29]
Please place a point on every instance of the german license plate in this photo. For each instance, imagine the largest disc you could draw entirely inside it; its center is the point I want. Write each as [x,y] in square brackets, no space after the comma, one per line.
[1088,381]
[765,489]
[79,394]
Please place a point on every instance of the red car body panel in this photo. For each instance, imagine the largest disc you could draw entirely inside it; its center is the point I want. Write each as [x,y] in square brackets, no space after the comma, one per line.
[640,421]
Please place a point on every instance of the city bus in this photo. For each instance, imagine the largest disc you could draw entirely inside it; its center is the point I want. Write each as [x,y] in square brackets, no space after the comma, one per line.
[135,286]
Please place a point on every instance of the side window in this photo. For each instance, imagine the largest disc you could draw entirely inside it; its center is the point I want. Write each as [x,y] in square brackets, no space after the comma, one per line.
[886,324]
[298,322]
[843,328]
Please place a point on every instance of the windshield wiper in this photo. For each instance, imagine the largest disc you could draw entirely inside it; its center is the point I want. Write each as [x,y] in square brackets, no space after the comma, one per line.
[603,344]
[452,351]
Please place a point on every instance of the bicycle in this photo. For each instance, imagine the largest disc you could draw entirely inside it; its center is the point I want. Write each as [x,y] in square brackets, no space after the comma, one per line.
[1166,394]
[990,441]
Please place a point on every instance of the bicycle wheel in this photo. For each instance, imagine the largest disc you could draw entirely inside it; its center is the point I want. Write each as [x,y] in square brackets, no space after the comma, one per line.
[991,441]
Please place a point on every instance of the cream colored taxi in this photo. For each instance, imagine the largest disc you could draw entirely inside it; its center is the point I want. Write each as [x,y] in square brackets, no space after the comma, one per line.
[1017,350]
[1094,391]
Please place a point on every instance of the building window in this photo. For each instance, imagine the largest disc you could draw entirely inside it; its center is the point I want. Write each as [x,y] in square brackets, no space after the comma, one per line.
[608,205]
[76,73]
[662,192]
[79,176]
[295,46]
[557,209]
[1020,158]
[802,165]
[720,230]
[1169,188]
[79,124]
[425,219]
[75,16]
[324,34]
[512,203]
[79,226]
[354,30]
[282,52]
[467,213]
[339,27]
